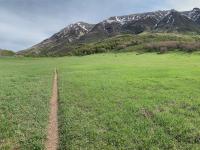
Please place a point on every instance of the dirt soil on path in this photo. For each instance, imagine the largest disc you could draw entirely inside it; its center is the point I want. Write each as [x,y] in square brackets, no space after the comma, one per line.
[52,135]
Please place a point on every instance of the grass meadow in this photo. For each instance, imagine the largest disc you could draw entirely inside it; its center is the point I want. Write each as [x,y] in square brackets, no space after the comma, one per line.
[128,101]
[106,101]
[25,88]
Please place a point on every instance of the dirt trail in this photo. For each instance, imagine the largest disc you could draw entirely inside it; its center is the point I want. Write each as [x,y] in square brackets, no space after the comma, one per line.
[52,135]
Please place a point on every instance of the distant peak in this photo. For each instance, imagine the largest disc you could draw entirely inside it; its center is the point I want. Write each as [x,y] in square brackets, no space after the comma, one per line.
[196,9]
[77,23]
[81,22]
[173,11]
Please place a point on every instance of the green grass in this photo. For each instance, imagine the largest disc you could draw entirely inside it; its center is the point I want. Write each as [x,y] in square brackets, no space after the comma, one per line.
[106,101]
[25,87]
[128,101]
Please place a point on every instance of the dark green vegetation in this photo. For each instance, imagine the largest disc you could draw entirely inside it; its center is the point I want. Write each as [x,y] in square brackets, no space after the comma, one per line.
[107,101]
[145,42]
[142,43]
[6,53]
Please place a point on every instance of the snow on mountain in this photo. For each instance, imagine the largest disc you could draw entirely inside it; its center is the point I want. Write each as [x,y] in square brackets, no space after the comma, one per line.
[135,17]
[73,31]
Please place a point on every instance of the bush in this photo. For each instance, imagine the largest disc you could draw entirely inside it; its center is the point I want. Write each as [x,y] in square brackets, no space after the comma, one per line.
[190,47]
[165,46]
[6,53]
[123,46]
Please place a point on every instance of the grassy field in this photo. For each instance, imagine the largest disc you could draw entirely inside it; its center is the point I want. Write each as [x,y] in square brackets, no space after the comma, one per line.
[128,101]
[25,87]
[107,101]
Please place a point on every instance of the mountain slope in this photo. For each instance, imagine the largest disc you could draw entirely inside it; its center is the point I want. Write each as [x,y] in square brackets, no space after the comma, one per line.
[75,34]
[67,35]
[102,30]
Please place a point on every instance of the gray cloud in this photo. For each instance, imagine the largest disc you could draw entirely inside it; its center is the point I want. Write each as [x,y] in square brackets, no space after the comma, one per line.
[24,23]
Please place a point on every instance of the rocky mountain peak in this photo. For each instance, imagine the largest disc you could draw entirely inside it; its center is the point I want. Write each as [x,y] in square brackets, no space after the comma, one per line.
[194,15]
[196,9]
[170,17]
[173,11]
[80,25]
[179,22]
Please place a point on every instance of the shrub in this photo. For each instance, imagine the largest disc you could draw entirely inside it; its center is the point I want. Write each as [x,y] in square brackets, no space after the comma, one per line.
[6,53]
[123,46]
[165,46]
[190,46]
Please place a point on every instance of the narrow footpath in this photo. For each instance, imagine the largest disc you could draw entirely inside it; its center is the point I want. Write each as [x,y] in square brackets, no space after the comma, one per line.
[52,135]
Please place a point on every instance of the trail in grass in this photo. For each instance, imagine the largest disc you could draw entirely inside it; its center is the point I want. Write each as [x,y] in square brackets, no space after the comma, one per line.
[52,136]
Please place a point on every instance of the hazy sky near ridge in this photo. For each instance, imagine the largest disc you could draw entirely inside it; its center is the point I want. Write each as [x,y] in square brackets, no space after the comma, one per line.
[24,23]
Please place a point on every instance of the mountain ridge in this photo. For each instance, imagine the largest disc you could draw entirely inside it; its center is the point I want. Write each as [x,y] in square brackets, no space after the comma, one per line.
[156,21]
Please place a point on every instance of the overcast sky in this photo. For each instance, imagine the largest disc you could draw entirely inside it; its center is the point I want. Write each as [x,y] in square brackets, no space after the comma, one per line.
[24,23]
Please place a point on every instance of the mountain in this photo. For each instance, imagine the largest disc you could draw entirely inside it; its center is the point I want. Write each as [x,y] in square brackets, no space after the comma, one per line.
[176,21]
[135,23]
[67,35]
[81,32]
